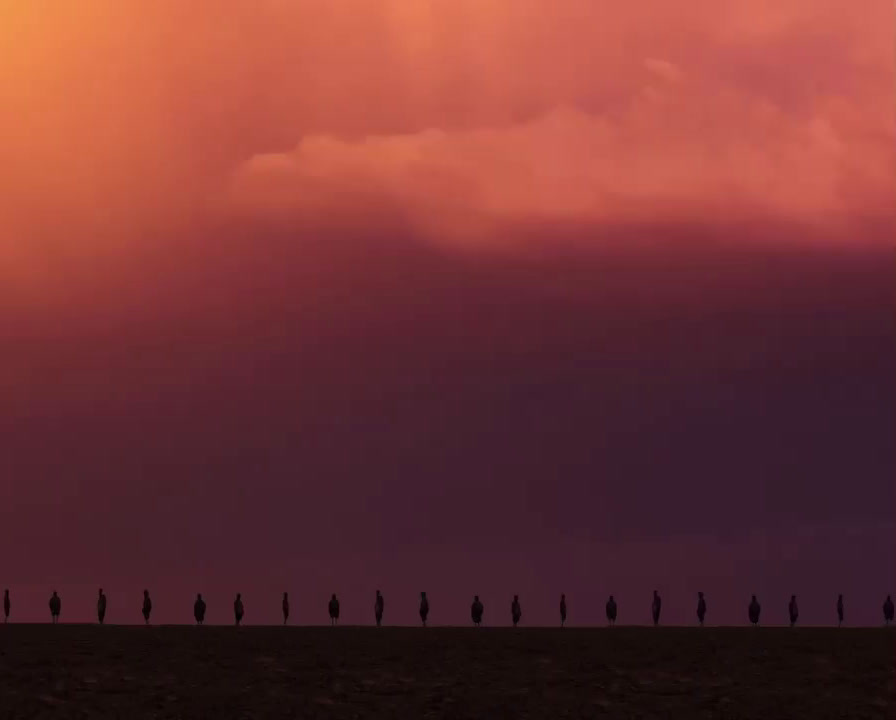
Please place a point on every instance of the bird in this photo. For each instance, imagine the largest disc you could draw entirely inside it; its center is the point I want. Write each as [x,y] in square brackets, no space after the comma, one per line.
[424,607]
[562,610]
[516,611]
[285,606]
[753,611]
[839,610]
[611,611]
[101,607]
[378,607]
[334,610]
[238,609]
[701,608]
[888,611]
[6,606]
[655,607]
[793,610]
[199,609]
[476,610]
[147,607]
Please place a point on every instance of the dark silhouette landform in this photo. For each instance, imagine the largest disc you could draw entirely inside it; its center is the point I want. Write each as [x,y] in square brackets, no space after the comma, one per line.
[221,672]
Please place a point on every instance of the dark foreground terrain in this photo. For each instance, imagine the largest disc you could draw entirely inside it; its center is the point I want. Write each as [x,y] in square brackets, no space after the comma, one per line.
[222,672]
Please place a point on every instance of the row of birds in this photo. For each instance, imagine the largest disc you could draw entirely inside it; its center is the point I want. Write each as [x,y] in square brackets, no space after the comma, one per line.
[476,609]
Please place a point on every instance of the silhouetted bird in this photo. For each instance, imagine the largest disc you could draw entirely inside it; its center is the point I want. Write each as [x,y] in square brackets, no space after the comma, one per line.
[839,610]
[562,610]
[101,607]
[476,610]
[147,606]
[285,606]
[424,608]
[55,607]
[378,606]
[888,611]
[754,610]
[611,611]
[238,609]
[199,609]
[656,607]
[6,606]
[334,610]
[516,611]
[701,608]
[793,610]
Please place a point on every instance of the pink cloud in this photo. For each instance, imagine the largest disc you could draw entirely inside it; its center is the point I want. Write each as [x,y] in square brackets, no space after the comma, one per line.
[127,119]
[677,150]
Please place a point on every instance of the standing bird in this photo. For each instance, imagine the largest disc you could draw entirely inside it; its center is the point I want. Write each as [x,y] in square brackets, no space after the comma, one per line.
[6,606]
[378,606]
[101,607]
[238,609]
[55,607]
[754,610]
[199,609]
[334,610]
[888,611]
[562,610]
[147,607]
[701,608]
[656,607]
[793,610]
[285,606]
[839,610]
[516,611]
[476,610]
[611,611]
[424,608]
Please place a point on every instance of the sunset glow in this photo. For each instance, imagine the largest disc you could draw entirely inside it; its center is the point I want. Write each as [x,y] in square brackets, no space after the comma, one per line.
[314,267]
[462,116]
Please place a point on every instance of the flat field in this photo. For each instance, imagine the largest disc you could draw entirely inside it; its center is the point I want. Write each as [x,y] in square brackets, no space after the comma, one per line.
[350,672]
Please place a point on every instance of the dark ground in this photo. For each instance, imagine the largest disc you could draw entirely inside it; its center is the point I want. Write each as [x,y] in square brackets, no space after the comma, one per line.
[347,672]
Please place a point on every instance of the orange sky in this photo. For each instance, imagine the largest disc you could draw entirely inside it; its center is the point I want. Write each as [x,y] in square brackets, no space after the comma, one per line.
[121,119]
[239,289]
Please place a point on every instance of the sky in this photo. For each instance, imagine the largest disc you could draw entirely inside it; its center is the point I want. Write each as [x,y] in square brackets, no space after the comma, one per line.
[470,296]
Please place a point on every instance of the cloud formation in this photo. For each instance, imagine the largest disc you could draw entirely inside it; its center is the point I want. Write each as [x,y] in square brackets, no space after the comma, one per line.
[673,153]
[127,118]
